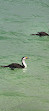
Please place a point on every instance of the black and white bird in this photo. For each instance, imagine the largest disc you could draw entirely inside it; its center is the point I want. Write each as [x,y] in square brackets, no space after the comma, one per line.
[16,65]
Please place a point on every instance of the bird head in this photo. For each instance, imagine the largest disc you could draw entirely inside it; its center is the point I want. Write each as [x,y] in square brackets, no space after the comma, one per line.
[24,58]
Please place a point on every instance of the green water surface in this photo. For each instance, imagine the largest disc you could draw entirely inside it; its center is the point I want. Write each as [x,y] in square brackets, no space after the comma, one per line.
[24,89]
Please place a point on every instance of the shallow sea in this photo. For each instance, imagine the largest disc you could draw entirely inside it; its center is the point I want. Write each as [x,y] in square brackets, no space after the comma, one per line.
[24,89]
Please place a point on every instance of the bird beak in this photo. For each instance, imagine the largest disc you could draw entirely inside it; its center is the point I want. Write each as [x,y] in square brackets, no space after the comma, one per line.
[26,57]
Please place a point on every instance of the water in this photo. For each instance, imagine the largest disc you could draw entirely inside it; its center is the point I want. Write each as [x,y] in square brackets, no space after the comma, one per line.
[28,89]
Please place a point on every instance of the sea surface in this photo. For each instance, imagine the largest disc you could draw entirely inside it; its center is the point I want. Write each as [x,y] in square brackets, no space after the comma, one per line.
[24,89]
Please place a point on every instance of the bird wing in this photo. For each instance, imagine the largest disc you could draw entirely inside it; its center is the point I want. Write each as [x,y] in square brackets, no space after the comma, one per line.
[15,65]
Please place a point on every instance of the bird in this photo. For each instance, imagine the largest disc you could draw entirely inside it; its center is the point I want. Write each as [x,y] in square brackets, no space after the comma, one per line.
[41,34]
[16,65]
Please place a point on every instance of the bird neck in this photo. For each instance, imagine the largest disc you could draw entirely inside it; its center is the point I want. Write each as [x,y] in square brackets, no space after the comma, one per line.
[24,64]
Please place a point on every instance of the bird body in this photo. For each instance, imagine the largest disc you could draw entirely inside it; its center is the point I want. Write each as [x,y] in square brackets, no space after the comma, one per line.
[41,34]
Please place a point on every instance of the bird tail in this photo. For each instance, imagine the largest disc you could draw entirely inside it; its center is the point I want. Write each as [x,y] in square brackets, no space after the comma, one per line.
[4,66]
[33,34]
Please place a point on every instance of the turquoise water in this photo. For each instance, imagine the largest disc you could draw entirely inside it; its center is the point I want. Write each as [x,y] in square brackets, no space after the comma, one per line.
[28,89]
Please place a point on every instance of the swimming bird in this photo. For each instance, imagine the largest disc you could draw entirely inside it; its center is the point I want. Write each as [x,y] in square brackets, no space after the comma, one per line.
[41,34]
[16,65]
